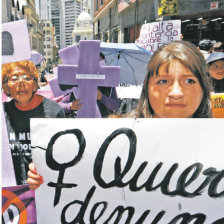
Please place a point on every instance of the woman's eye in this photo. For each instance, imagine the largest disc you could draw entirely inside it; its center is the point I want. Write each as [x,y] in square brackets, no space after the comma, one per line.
[13,78]
[190,81]
[162,81]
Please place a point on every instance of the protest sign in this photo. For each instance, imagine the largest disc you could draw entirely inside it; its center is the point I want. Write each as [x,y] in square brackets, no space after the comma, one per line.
[129,91]
[15,42]
[129,171]
[18,205]
[168,7]
[154,35]
[217,105]
[87,75]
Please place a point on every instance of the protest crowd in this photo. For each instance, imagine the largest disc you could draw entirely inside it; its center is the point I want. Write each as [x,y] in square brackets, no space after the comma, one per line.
[180,81]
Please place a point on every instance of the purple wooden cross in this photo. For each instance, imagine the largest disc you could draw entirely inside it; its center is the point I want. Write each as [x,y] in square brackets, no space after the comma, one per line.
[69,56]
[88,75]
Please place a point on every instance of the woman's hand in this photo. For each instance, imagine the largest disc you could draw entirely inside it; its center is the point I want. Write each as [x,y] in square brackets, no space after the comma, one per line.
[76,105]
[34,180]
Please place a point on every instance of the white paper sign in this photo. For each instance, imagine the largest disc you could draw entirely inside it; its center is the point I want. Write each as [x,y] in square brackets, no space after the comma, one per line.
[154,35]
[129,171]
[129,91]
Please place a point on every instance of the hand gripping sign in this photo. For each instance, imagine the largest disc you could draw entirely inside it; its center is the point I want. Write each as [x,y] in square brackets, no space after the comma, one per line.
[15,42]
[87,75]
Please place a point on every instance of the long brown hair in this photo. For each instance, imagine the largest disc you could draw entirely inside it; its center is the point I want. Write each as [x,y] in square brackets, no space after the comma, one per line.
[188,55]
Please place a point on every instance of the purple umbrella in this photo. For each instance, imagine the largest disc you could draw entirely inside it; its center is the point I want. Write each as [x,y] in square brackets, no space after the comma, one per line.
[36,57]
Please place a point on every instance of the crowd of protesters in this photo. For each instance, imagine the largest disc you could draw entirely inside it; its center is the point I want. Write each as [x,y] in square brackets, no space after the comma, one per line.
[178,84]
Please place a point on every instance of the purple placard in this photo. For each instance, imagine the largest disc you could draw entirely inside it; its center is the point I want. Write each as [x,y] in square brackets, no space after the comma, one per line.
[8,174]
[15,42]
[18,205]
[69,55]
[87,75]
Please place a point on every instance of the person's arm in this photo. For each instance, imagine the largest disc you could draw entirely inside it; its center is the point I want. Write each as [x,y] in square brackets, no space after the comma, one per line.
[34,180]
[68,106]
[112,102]
[65,103]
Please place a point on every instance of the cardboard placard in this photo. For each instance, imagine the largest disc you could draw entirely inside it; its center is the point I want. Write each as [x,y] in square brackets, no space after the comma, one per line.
[129,171]
[154,35]
[217,100]
[15,42]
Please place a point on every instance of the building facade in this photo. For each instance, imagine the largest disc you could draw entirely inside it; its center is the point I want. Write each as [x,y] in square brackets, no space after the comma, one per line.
[50,46]
[35,28]
[6,11]
[43,8]
[56,19]
[70,12]
[121,21]
[83,29]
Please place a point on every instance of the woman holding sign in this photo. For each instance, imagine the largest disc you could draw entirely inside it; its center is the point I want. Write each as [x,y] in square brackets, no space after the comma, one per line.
[20,82]
[176,85]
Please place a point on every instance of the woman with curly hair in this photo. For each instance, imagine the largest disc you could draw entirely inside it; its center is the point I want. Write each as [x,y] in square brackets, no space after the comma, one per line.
[20,82]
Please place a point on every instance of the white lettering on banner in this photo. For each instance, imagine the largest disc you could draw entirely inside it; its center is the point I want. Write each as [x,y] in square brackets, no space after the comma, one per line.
[22,136]
[89,76]
[154,35]
[12,146]
[138,171]
[12,136]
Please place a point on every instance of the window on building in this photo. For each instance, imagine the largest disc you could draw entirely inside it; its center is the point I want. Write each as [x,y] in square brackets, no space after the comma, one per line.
[96,5]
[77,38]
[105,37]
[126,35]
[98,26]
[101,2]
[115,36]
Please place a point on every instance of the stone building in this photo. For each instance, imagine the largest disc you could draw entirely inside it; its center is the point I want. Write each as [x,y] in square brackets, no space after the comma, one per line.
[50,46]
[83,28]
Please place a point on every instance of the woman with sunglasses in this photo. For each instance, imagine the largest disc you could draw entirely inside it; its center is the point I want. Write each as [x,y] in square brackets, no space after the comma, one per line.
[20,82]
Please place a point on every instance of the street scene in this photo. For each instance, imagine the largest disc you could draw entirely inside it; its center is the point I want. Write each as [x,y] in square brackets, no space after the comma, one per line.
[69,68]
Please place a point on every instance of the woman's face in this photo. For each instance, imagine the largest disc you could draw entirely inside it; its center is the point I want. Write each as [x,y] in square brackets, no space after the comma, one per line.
[175,92]
[21,85]
[216,69]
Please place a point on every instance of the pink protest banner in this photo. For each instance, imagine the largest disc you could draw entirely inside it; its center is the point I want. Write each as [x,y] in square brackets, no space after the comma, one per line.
[154,35]
[18,205]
